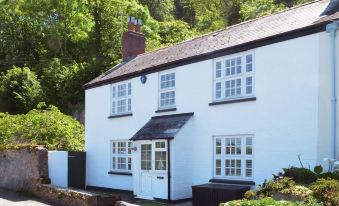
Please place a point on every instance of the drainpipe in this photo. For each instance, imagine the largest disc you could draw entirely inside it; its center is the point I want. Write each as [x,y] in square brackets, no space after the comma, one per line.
[331,29]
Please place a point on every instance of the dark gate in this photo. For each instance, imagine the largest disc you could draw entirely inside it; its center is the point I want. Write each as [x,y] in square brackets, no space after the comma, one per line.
[77,169]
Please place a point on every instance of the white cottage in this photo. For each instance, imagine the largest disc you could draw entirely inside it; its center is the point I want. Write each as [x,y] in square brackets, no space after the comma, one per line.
[234,106]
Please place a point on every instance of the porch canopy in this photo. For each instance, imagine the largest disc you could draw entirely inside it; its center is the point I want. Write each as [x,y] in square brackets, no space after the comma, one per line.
[162,127]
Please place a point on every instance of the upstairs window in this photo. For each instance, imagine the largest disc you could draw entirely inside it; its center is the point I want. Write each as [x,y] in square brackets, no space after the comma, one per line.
[234,77]
[167,90]
[233,157]
[121,156]
[121,98]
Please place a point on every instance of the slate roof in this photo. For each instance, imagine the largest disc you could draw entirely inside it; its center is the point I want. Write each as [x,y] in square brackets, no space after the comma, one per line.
[162,127]
[278,24]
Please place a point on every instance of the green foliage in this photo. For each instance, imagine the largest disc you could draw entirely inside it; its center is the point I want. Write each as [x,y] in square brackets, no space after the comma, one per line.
[48,127]
[172,32]
[327,191]
[300,175]
[159,10]
[266,202]
[268,189]
[20,90]
[258,8]
[58,79]
[318,169]
[332,175]
[250,195]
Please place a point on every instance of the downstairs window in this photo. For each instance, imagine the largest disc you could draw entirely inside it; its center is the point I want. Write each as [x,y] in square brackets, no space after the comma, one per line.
[121,156]
[233,157]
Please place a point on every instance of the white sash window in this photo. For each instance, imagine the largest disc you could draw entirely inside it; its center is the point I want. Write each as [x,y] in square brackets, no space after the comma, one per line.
[233,77]
[233,157]
[121,156]
[121,98]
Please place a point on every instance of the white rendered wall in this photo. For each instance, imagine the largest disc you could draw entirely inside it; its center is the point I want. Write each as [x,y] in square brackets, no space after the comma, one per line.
[284,118]
[325,146]
[58,168]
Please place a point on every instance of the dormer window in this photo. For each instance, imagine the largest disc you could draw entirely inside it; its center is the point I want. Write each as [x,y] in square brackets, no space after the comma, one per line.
[167,90]
[233,77]
[121,98]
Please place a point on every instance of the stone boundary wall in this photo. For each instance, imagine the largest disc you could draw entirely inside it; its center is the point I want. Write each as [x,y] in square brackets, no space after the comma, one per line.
[26,170]
[23,169]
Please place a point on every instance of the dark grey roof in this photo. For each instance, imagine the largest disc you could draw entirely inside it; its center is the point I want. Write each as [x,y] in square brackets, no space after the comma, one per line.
[273,26]
[162,127]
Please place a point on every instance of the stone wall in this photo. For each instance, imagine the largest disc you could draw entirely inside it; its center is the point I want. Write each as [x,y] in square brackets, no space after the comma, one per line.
[22,169]
[26,170]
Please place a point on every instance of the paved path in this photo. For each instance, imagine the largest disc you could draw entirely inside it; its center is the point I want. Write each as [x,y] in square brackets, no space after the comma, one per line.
[14,199]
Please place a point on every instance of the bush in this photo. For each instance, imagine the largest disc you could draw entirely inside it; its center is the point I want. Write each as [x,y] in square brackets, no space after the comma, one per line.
[20,90]
[327,191]
[268,189]
[266,202]
[300,175]
[48,127]
[332,175]
[299,193]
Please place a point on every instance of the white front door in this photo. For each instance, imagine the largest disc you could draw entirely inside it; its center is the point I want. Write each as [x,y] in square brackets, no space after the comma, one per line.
[153,170]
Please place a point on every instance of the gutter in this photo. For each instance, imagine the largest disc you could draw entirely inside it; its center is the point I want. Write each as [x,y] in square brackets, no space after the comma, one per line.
[332,29]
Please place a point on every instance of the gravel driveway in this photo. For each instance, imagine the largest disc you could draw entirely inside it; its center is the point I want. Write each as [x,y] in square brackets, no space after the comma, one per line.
[14,199]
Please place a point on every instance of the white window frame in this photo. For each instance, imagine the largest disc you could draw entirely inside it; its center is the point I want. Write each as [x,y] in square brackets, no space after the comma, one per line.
[161,150]
[223,157]
[127,98]
[166,90]
[115,154]
[243,76]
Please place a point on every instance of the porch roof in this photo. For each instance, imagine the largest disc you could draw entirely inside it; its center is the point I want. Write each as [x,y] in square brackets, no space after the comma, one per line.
[162,127]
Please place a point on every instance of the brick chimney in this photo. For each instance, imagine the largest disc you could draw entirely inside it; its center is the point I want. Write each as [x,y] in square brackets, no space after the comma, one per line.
[133,41]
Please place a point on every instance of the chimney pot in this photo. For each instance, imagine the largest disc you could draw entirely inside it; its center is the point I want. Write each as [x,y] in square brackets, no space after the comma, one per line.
[133,41]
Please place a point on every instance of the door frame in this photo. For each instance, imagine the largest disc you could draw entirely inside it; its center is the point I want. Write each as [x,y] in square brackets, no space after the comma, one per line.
[153,171]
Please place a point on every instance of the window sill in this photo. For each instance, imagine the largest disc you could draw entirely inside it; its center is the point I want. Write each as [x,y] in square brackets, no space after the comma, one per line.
[230,101]
[236,182]
[119,115]
[166,110]
[120,173]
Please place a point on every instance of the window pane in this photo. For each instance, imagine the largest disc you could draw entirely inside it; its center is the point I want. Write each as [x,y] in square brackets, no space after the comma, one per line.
[146,156]
[218,90]
[248,146]
[113,92]
[160,145]
[160,160]
[129,88]
[218,167]
[218,69]
[167,99]
[248,168]
[113,163]
[249,85]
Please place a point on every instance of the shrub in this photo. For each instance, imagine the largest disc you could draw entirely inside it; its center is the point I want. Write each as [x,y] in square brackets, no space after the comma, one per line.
[48,127]
[332,175]
[268,189]
[327,191]
[300,175]
[266,202]
[20,90]
[299,193]
[250,195]
[318,169]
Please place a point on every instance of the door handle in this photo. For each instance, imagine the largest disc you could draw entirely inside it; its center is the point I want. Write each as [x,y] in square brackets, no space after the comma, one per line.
[161,178]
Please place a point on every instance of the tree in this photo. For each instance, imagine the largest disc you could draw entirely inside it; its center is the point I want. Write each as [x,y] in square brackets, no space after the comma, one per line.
[161,10]
[20,90]
[257,8]
[176,31]
[62,83]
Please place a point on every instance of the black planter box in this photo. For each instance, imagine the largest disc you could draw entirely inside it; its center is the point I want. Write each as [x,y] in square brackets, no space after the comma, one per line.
[212,194]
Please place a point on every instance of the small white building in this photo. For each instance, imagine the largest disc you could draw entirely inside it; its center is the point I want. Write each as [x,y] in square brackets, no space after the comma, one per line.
[234,106]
